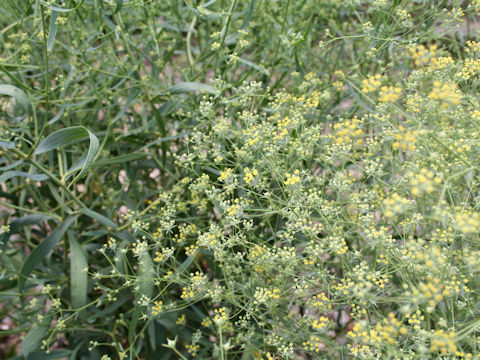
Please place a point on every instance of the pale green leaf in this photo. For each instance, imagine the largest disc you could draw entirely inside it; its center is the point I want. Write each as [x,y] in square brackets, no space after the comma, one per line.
[16,93]
[78,275]
[186,87]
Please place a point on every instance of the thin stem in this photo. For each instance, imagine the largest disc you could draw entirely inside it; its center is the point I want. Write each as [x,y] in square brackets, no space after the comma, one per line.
[47,87]
[189,37]
[50,176]
[21,208]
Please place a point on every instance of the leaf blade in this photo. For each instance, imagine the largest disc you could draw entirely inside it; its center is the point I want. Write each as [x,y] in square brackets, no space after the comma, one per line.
[34,337]
[60,138]
[70,136]
[120,159]
[63,10]
[91,154]
[7,144]
[16,93]
[11,174]
[78,276]
[42,250]
[53,30]
[145,274]
[186,87]
[99,217]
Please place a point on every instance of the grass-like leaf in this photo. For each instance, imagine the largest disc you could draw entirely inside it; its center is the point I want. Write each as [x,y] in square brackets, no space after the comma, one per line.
[42,250]
[70,136]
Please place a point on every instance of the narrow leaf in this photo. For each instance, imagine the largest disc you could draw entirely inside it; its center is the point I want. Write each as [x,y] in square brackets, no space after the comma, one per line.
[132,329]
[7,144]
[60,138]
[92,153]
[253,65]
[100,218]
[191,87]
[69,136]
[12,165]
[10,174]
[145,274]
[14,92]
[151,334]
[34,337]
[78,275]
[53,30]
[7,263]
[63,10]
[42,250]
[121,159]
[27,220]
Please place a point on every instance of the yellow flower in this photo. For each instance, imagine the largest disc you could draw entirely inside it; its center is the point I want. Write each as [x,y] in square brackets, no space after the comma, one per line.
[292,179]
[389,94]
[157,307]
[372,83]
[224,174]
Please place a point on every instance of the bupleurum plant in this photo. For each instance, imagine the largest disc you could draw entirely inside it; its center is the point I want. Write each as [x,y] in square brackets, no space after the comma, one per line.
[240,180]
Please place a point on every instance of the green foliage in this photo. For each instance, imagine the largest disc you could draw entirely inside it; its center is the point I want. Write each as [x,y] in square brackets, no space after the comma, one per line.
[233,179]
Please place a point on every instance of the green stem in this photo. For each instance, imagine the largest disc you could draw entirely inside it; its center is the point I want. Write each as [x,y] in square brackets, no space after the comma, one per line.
[4,203]
[189,37]
[278,43]
[50,176]
[47,87]
[222,355]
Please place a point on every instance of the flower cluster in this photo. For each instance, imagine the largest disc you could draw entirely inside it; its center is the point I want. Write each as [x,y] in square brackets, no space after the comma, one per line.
[281,207]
